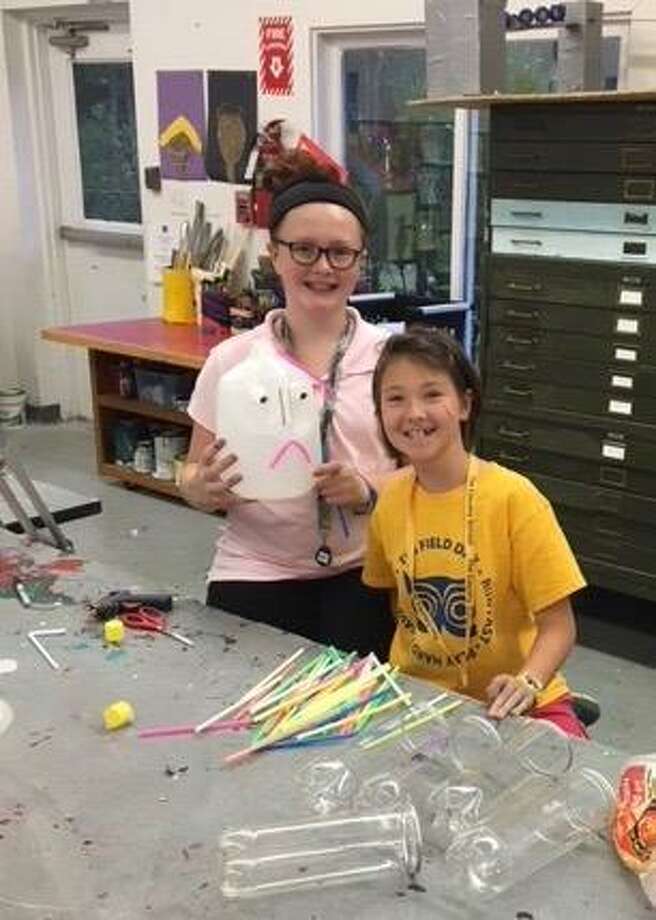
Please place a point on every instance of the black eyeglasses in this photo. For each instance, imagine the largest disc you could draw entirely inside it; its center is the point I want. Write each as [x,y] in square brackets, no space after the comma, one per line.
[339,257]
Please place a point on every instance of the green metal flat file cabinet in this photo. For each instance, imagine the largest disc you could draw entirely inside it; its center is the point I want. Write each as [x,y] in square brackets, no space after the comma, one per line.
[568,331]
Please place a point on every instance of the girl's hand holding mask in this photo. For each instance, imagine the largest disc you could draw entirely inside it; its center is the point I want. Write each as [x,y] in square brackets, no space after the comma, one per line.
[212,483]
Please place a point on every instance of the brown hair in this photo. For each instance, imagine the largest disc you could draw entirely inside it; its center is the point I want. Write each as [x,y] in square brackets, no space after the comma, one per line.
[294,166]
[294,179]
[440,351]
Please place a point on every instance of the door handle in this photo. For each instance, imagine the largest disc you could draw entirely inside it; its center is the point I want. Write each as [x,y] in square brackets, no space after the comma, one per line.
[524,392]
[507,457]
[513,433]
[516,340]
[512,366]
[524,287]
[529,215]
[516,242]
[512,313]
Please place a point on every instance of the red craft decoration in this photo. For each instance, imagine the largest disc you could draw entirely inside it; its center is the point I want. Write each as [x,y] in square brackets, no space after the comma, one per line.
[276,55]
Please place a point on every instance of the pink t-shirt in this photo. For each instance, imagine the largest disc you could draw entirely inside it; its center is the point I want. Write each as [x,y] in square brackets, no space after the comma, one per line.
[270,541]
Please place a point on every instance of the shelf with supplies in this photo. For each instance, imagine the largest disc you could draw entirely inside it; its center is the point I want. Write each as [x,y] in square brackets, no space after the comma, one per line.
[142,374]
[144,409]
[131,478]
[567,331]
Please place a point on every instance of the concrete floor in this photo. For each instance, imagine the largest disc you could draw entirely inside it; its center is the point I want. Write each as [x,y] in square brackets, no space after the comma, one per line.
[163,541]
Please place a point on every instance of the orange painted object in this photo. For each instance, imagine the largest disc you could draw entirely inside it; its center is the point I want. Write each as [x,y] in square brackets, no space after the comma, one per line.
[151,339]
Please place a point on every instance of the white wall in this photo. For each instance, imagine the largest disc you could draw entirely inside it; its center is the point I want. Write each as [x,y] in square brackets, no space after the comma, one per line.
[25,255]
[203,34]
[8,233]
[199,34]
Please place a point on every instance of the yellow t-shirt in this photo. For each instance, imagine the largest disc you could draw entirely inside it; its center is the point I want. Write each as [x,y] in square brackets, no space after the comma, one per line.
[523,564]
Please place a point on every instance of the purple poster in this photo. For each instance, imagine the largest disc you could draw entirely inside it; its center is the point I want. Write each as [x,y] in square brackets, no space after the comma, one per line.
[181,111]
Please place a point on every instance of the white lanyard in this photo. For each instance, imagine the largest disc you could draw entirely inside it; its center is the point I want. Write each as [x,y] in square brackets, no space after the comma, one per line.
[407,583]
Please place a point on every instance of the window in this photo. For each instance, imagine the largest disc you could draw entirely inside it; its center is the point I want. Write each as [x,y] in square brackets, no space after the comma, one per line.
[531,64]
[104,105]
[411,169]
[402,166]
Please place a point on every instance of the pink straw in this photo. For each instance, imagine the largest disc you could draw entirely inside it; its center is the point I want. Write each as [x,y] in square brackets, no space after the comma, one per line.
[172,731]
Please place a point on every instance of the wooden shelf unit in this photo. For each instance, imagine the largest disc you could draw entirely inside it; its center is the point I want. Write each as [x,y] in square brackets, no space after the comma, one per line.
[152,344]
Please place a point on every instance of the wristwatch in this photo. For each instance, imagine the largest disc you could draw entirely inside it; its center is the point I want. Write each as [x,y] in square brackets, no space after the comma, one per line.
[533,684]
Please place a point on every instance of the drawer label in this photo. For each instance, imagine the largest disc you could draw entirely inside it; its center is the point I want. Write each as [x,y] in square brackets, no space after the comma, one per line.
[621,382]
[630,298]
[630,326]
[613,451]
[620,407]
[626,354]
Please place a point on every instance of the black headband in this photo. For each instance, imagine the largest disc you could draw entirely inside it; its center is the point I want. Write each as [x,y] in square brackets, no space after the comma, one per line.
[305,192]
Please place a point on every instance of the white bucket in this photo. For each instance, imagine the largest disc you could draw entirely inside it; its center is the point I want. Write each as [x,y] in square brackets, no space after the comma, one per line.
[12,406]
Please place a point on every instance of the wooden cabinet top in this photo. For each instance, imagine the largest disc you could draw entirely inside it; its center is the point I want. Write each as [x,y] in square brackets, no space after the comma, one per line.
[150,339]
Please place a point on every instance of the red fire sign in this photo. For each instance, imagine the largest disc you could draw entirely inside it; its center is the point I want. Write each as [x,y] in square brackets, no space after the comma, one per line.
[276,55]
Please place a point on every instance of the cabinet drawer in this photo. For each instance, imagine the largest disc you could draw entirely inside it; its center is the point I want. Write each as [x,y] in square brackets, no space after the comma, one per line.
[585,540]
[626,325]
[621,123]
[523,344]
[601,187]
[591,284]
[615,381]
[531,461]
[567,215]
[559,156]
[552,397]
[618,578]
[616,447]
[574,244]
[592,499]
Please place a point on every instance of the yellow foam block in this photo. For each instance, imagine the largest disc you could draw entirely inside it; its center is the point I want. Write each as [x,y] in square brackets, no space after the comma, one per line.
[118,715]
[114,631]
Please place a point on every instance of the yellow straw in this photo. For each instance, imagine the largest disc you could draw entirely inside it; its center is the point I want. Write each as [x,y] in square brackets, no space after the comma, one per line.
[416,723]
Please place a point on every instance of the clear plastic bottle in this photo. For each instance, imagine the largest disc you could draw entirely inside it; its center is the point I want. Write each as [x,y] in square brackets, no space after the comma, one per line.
[315,853]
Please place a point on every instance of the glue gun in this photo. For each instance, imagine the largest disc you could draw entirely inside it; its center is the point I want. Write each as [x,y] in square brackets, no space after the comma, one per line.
[110,605]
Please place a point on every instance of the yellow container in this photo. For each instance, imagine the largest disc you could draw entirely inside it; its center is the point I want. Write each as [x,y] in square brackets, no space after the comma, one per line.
[178,296]
[114,631]
[117,715]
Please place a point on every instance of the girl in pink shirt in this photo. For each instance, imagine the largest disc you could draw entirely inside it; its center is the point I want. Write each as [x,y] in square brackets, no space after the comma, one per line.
[296,563]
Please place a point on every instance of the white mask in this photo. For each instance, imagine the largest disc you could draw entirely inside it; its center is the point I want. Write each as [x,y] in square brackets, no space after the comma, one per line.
[269,416]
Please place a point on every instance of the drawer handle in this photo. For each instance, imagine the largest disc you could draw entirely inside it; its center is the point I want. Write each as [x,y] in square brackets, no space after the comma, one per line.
[507,457]
[512,313]
[608,532]
[513,433]
[632,217]
[608,502]
[516,340]
[638,189]
[524,392]
[531,215]
[526,242]
[636,158]
[512,366]
[524,287]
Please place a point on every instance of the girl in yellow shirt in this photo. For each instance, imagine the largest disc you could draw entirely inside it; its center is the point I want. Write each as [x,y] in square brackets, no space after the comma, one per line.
[481,572]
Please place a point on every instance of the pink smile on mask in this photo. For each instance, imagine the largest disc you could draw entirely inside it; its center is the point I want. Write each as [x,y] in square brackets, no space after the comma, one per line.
[288,445]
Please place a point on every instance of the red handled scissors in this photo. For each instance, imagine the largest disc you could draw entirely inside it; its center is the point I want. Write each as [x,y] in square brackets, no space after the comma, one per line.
[150,620]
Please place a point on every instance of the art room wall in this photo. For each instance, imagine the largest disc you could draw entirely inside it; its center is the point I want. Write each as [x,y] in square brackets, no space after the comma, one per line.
[196,34]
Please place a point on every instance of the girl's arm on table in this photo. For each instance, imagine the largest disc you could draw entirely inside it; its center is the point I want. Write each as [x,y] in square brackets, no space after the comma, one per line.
[511,693]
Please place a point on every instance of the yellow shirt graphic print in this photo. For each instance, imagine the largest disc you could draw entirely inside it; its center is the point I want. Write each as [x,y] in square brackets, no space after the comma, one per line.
[522,564]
